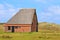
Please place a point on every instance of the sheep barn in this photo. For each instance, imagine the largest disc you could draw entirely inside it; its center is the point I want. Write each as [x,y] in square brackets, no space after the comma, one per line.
[25,20]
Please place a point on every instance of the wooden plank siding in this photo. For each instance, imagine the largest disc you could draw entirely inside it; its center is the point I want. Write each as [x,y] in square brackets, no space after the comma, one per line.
[21,27]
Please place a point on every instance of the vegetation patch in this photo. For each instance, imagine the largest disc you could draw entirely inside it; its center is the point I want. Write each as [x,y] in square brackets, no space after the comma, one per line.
[43,34]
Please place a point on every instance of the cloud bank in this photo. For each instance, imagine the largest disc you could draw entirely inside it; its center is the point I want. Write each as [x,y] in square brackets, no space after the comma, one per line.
[52,13]
[7,11]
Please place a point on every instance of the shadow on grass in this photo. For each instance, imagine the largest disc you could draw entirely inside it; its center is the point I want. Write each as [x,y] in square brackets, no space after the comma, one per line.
[6,37]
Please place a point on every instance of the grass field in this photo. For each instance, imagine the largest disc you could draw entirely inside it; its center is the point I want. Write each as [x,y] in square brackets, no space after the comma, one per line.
[41,35]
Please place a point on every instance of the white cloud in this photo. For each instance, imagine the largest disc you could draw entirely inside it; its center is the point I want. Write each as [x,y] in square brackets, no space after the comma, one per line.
[56,18]
[7,11]
[12,10]
[51,13]
[1,6]
[8,5]
[54,9]
[45,16]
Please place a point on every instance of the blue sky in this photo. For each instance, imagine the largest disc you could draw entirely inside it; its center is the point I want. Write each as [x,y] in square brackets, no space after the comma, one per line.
[47,10]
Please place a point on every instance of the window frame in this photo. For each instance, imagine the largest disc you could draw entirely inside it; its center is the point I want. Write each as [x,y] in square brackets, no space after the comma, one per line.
[9,27]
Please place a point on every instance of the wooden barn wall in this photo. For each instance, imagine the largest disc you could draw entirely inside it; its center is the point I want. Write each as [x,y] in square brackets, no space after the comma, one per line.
[34,26]
[21,27]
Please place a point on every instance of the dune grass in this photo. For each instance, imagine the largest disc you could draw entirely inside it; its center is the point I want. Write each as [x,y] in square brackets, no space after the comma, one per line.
[41,35]
[30,36]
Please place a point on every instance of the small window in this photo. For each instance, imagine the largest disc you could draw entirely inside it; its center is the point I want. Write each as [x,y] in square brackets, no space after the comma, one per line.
[16,27]
[8,27]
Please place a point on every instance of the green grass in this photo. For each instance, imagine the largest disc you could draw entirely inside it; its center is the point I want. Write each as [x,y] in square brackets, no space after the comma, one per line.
[41,35]
[30,36]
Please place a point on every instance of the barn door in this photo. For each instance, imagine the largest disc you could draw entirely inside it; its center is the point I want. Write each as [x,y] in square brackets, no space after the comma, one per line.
[12,28]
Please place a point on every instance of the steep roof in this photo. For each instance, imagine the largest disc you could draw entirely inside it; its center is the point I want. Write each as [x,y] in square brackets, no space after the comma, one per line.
[24,16]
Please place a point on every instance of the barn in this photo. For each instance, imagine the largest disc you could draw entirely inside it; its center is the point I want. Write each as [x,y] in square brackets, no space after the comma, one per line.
[25,20]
